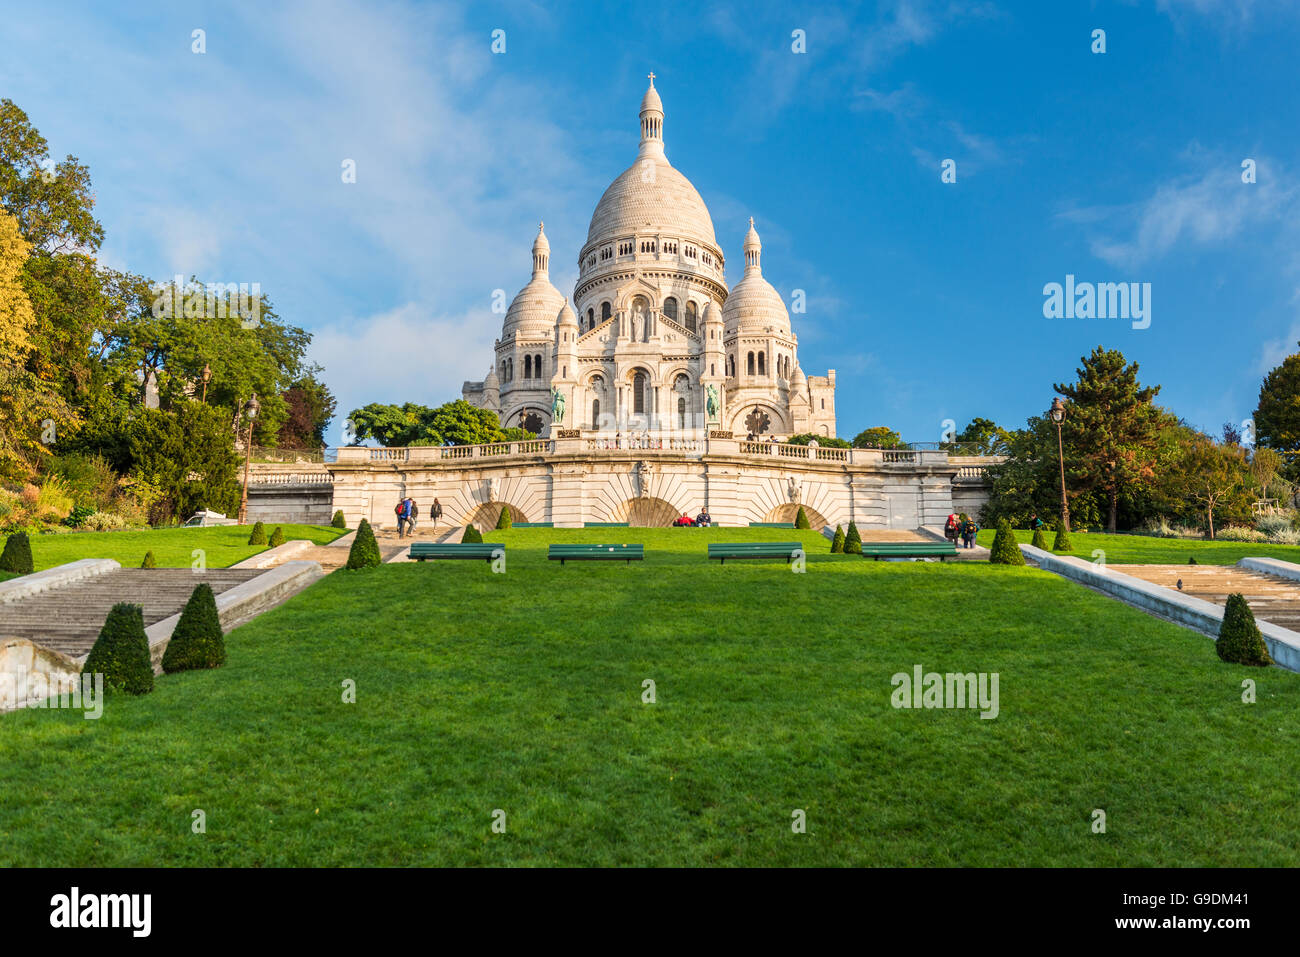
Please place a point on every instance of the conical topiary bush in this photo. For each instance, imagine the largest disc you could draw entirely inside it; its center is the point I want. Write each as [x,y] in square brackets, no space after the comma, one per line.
[197,641]
[1062,542]
[837,543]
[121,652]
[1005,551]
[17,556]
[149,561]
[339,520]
[1040,540]
[853,540]
[365,550]
[277,537]
[471,536]
[259,535]
[1240,641]
[801,519]
[504,520]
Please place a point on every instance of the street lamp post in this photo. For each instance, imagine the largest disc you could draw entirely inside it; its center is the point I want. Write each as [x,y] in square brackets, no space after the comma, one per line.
[1057,413]
[207,377]
[250,410]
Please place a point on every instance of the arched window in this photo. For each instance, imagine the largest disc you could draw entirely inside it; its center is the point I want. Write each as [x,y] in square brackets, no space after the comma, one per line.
[749,365]
[670,308]
[537,367]
[681,413]
[591,319]
[510,370]
[639,393]
[691,316]
[604,311]
[528,367]
[595,413]
[760,364]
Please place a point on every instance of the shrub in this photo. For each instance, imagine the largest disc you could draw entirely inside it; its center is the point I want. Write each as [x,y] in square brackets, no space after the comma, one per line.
[365,550]
[1040,540]
[53,500]
[339,520]
[853,540]
[121,652]
[277,537]
[503,520]
[104,522]
[259,535]
[1239,639]
[149,561]
[77,518]
[471,535]
[17,556]
[837,543]
[1239,533]
[801,519]
[1274,525]
[197,641]
[1062,542]
[1192,560]
[1005,551]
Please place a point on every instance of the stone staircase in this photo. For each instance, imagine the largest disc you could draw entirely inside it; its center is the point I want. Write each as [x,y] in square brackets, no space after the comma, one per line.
[1270,597]
[68,619]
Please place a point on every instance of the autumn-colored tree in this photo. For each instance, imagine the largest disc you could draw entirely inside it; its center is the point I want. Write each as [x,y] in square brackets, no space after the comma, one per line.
[1112,428]
[1215,475]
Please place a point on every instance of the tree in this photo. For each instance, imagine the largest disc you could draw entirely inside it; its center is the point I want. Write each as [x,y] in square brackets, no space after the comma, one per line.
[1214,475]
[801,519]
[853,540]
[1062,541]
[1112,426]
[457,423]
[986,435]
[1240,641]
[197,642]
[837,543]
[1005,551]
[825,441]
[339,521]
[258,535]
[1277,417]
[188,454]
[471,536]
[149,560]
[311,407]
[504,520]
[121,652]
[877,437]
[365,550]
[277,538]
[16,559]
[1040,540]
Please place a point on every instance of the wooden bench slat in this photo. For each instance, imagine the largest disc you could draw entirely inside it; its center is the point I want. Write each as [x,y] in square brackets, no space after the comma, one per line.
[477,551]
[724,550]
[595,552]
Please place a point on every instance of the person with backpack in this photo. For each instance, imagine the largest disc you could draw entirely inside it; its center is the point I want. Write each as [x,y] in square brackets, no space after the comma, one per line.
[411,515]
[952,528]
[400,511]
[968,533]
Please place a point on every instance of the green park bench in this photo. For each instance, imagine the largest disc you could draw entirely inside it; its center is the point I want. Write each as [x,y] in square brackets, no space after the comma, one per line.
[724,550]
[596,553]
[533,525]
[879,550]
[475,551]
[604,525]
[771,524]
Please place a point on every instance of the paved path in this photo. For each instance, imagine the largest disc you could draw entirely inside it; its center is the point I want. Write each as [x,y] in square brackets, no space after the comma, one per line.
[68,618]
[1271,598]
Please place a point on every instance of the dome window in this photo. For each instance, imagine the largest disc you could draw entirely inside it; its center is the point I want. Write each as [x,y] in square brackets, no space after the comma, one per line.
[670,308]
[691,316]
[749,365]
[604,311]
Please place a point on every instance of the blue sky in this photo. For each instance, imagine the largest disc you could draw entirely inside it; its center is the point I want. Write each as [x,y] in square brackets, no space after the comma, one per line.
[926,297]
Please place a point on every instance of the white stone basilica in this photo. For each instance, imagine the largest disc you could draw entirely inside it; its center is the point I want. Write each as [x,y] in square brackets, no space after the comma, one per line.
[656,342]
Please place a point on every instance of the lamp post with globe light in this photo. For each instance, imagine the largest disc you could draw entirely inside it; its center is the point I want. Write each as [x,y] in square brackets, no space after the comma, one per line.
[250,410]
[1057,413]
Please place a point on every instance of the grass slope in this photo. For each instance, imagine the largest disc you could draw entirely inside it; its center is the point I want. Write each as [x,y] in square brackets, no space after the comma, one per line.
[522,692]
[224,545]
[1149,550]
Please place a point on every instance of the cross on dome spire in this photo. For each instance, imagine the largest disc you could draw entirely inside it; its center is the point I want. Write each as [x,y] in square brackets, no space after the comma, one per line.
[541,253]
[651,74]
[753,251]
[652,119]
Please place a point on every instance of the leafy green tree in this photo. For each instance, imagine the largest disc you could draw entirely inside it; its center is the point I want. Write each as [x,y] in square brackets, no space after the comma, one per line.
[853,540]
[365,550]
[878,437]
[1005,551]
[197,642]
[188,454]
[837,543]
[986,435]
[457,423]
[16,559]
[1215,476]
[1113,427]
[311,406]
[1240,641]
[121,652]
[1277,417]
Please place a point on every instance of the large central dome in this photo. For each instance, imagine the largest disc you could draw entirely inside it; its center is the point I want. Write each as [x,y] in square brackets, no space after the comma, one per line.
[650,195]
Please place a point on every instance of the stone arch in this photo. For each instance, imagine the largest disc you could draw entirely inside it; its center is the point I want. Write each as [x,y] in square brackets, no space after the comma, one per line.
[646,512]
[789,511]
[777,423]
[485,516]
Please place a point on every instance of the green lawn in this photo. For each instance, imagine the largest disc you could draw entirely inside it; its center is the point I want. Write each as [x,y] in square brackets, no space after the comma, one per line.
[522,692]
[224,545]
[1148,550]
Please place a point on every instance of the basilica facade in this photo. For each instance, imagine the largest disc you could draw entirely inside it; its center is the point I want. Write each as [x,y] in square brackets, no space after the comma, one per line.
[653,339]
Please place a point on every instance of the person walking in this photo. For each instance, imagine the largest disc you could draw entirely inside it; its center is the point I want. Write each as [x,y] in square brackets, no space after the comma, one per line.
[436,511]
[968,533]
[952,528]
[412,514]
[400,512]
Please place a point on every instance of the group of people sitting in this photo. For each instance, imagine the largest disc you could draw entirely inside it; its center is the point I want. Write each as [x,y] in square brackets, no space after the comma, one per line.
[960,527]
[703,520]
[408,512]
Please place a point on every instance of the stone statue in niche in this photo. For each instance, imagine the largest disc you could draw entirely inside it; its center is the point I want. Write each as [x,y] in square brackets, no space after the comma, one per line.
[794,487]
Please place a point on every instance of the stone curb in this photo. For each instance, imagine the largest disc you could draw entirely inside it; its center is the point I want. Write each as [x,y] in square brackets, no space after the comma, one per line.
[1187,610]
[276,556]
[1271,566]
[240,604]
[343,541]
[56,577]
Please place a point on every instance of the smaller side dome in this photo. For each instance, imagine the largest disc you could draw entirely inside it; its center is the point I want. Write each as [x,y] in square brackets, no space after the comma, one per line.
[566,316]
[491,380]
